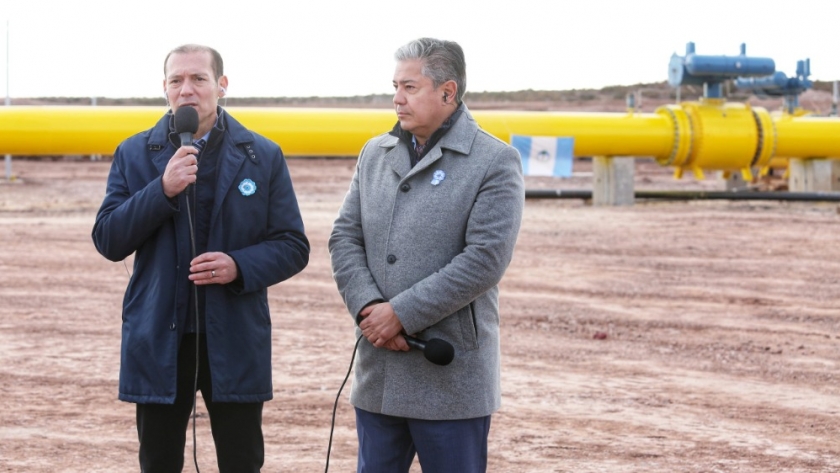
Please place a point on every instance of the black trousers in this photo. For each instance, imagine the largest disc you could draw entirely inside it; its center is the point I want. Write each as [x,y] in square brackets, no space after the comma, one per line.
[236,427]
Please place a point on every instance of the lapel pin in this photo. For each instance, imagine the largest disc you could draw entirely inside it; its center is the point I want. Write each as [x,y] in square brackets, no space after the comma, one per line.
[247,187]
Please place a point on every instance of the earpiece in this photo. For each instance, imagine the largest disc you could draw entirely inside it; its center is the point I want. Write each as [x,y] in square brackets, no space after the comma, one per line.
[445,97]
[224,91]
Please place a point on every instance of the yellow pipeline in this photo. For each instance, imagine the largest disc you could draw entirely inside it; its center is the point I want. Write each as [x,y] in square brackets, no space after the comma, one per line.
[696,136]
[724,136]
[318,131]
[807,136]
[61,130]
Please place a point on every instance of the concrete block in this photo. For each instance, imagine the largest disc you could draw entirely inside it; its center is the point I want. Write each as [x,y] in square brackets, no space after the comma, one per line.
[613,180]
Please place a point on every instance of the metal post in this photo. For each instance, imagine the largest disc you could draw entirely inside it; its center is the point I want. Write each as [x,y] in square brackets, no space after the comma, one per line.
[8,102]
[94,157]
[631,102]
[834,100]
[8,98]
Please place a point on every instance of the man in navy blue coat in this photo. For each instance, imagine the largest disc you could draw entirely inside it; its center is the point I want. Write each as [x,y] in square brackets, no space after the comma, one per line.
[211,227]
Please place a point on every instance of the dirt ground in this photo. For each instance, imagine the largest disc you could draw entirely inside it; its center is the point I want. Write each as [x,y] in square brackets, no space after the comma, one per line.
[720,354]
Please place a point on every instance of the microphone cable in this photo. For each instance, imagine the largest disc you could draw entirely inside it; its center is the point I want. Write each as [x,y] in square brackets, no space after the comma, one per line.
[337,396]
[197,326]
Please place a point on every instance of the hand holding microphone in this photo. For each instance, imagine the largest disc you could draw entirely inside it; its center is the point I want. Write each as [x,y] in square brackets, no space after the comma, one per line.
[182,167]
[380,325]
[435,350]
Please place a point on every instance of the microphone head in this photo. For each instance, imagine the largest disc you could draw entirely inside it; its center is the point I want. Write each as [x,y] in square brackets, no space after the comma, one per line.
[186,120]
[439,352]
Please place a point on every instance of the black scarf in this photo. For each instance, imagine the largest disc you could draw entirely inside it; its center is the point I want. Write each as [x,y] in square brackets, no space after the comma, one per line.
[406,137]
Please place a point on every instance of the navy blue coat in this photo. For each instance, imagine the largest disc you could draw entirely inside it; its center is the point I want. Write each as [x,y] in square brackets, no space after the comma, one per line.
[262,231]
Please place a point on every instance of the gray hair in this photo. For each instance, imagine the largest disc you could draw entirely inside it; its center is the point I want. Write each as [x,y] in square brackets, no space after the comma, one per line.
[442,61]
[215,58]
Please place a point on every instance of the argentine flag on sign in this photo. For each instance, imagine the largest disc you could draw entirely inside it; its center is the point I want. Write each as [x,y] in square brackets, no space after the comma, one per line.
[544,155]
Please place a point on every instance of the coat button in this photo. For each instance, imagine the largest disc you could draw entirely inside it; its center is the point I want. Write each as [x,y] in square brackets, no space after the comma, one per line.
[392,259]
[405,188]
[172,326]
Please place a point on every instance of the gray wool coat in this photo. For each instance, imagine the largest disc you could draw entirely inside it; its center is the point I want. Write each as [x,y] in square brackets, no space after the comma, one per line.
[434,240]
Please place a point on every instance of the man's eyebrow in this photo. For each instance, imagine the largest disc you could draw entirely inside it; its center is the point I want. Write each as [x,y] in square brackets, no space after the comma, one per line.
[178,75]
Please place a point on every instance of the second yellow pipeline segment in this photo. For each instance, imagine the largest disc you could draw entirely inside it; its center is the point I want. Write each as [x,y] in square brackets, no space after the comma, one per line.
[706,135]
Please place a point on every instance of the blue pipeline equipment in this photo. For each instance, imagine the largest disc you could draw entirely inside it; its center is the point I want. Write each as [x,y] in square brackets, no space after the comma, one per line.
[712,71]
[780,85]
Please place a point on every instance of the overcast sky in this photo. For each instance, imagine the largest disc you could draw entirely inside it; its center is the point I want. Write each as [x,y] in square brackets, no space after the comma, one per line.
[299,48]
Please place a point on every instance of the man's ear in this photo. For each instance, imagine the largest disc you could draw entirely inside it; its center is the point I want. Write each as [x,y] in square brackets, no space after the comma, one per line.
[223,85]
[449,90]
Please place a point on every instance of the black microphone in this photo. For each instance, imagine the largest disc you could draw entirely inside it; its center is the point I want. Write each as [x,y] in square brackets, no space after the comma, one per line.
[186,124]
[435,350]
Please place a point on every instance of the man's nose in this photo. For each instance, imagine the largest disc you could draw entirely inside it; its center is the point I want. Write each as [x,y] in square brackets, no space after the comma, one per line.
[187,88]
[399,98]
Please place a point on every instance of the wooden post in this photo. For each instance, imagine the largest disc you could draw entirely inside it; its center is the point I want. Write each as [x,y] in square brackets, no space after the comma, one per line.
[813,175]
[613,180]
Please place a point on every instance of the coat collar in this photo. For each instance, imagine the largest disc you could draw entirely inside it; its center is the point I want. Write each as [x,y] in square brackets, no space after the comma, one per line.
[236,143]
[160,134]
[459,139]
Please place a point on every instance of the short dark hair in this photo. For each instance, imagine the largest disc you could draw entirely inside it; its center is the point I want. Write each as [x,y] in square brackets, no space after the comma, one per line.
[215,58]
[442,61]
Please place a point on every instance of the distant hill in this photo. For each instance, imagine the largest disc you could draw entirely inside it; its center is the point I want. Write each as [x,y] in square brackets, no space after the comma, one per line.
[608,99]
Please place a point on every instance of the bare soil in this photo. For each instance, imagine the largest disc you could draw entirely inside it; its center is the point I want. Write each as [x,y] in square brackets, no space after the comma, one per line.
[670,336]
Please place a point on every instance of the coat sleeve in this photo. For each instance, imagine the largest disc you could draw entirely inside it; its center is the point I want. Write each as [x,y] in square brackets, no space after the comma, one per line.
[347,250]
[493,225]
[134,206]
[284,251]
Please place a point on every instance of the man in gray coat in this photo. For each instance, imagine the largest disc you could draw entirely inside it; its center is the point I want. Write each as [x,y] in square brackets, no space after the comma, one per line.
[422,240]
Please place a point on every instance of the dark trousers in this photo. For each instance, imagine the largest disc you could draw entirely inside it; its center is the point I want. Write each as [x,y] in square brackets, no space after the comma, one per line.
[162,428]
[388,444]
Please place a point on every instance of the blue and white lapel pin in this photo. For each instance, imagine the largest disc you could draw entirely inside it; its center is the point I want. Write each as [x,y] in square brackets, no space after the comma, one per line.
[247,187]
[438,177]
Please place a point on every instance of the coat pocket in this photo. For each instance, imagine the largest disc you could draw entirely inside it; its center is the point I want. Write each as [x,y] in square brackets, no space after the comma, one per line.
[469,334]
